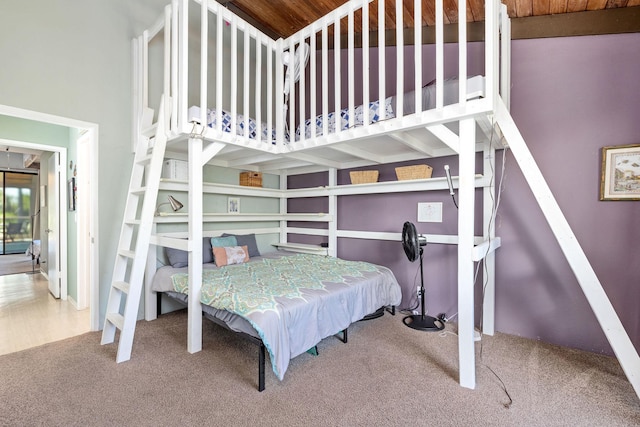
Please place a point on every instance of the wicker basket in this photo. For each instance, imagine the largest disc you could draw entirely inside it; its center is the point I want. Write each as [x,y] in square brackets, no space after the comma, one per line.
[363,177]
[413,172]
[251,179]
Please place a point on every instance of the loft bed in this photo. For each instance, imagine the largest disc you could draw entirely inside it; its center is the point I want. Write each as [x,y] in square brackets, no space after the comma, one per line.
[227,99]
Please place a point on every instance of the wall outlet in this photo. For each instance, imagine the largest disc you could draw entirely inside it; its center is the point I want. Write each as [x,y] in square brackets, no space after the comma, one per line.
[430,212]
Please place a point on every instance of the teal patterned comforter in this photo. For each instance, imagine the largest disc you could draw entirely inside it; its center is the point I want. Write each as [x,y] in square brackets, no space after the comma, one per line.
[295,301]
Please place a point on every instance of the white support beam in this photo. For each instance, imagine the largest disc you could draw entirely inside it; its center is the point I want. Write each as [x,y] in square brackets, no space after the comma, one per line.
[505,56]
[358,152]
[175,113]
[283,207]
[591,286]
[466,202]
[250,160]
[333,211]
[204,55]
[484,250]
[291,164]
[194,316]
[183,59]
[210,152]
[381,58]
[413,142]
[313,160]
[446,135]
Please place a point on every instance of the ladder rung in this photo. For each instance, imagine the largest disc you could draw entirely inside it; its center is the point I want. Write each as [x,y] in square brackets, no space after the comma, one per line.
[123,286]
[150,131]
[138,191]
[144,160]
[116,319]
[127,253]
[133,221]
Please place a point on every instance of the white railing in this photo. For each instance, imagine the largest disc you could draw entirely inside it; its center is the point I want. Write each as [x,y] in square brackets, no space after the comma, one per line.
[240,75]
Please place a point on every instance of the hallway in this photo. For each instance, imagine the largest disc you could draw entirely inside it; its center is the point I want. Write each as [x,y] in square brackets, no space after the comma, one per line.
[30,316]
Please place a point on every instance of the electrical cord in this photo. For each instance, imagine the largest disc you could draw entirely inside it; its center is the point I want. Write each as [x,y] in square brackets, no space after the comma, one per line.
[492,221]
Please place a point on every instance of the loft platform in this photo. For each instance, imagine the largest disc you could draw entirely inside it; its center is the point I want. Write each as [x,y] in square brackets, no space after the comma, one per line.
[226,98]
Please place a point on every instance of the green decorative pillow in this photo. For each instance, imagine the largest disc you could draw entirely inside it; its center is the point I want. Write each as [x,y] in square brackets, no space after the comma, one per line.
[221,242]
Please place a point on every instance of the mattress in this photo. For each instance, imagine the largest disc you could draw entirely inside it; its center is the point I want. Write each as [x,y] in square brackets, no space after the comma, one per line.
[475,89]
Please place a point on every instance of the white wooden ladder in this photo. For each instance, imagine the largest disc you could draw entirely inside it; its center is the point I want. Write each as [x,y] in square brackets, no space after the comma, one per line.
[137,226]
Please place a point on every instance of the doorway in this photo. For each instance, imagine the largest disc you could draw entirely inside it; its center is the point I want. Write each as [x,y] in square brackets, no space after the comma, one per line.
[87,277]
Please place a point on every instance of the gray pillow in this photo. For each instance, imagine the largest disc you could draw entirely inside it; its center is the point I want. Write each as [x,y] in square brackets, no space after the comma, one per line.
[207,250]
[179,258]
[246,239]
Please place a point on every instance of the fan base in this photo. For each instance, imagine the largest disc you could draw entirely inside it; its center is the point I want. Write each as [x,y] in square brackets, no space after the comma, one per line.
[423,323]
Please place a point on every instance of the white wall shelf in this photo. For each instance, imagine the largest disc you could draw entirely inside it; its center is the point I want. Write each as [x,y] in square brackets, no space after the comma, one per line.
[428,184]
[302,248]
[178,218]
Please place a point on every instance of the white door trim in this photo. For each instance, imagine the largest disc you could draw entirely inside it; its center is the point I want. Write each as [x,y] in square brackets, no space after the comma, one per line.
[92,131]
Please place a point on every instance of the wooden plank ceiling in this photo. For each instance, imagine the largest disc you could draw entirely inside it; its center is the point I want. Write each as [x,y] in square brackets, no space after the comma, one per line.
[281,18]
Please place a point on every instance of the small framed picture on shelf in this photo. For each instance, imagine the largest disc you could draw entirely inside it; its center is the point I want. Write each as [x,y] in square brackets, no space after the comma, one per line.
[620,174]
[233,205]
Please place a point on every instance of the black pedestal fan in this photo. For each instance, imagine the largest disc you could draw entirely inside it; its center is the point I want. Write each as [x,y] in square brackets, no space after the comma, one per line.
[412,244]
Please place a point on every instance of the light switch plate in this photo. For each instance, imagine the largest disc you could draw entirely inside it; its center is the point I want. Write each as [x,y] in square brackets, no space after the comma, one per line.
[430,212]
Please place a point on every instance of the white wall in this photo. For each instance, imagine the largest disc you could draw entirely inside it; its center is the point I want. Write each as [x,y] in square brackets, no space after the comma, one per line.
[72,58]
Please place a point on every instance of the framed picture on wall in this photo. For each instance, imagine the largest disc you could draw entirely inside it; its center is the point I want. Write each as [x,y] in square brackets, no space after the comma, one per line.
[620,175]
[233,205]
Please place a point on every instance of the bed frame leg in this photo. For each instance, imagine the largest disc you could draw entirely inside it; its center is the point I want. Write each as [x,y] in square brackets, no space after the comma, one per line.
[158,303]
[261,368]
[391,310]
[344,336]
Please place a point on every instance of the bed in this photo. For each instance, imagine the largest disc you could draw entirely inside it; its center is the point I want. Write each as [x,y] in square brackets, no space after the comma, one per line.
[287,302]
[353,105]
[200,53]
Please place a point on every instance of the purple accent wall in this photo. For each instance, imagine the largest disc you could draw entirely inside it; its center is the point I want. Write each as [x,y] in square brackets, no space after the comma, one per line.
[570,97]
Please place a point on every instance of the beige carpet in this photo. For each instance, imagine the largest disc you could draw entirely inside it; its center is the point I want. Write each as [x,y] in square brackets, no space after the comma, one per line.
[387,374]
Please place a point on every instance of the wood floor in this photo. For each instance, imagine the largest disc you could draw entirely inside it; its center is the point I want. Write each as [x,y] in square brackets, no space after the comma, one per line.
[17,263]
[30,316]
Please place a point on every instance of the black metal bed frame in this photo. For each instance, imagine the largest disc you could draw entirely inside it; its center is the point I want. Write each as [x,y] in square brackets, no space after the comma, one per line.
[260,344]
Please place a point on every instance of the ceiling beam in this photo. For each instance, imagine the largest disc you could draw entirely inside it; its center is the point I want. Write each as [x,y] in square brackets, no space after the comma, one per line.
[608,21]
